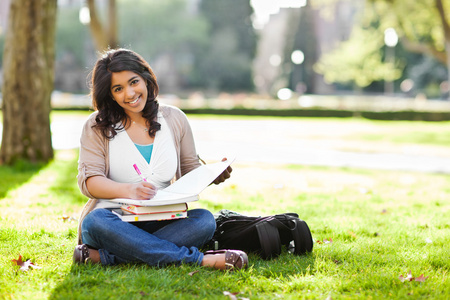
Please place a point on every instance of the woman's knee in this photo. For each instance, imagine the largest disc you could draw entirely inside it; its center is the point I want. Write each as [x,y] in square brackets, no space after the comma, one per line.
[205,221]
[97,220]
[96,224]
[204,216]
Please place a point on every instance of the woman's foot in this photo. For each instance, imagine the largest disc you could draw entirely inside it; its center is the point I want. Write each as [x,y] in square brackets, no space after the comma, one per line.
[83,255]
[225,259]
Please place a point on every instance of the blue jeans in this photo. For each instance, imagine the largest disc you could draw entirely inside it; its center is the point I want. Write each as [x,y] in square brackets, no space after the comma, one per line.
[156,243]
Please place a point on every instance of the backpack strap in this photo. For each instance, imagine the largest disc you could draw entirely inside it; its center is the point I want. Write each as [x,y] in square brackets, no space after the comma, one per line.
[301,234]
[269,239]
[302,237]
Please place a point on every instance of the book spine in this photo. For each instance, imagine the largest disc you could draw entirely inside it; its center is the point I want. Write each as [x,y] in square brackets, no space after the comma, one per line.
[142,210]
[151,217]
[155,217]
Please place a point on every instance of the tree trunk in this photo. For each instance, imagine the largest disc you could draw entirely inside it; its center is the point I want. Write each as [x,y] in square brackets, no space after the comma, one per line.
[97,31]
[104,37]
[446,29]
[28,62]
[112,21]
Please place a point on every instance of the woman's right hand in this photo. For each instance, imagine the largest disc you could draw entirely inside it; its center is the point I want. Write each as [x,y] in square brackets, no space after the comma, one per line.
[142,190]
[105,188]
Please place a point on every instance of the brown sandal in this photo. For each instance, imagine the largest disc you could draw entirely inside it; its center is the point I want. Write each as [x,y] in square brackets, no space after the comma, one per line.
[81,254]
[234,259]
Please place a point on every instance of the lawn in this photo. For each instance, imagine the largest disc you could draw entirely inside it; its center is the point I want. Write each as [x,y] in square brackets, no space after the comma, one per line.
[369,226]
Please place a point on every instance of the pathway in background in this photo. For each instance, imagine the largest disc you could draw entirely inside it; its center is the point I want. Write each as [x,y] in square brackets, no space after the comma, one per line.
[290,142]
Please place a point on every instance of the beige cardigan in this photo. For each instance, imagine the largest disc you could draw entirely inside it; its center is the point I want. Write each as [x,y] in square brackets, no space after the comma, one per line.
[94,153]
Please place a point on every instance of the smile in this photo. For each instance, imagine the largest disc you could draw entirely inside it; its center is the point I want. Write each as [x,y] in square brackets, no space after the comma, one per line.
[134,101]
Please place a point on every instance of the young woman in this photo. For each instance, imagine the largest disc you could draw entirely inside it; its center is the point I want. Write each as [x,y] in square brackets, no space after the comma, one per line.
[129,127]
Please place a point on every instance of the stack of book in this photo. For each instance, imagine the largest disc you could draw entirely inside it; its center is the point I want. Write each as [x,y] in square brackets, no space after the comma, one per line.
[171,202]
[136,213]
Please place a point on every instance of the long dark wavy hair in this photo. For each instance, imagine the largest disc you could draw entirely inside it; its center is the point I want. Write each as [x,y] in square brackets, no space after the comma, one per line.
[109,112]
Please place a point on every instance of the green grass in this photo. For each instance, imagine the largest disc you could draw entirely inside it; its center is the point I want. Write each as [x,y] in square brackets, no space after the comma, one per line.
[382,224]
[59,115]
[424,133]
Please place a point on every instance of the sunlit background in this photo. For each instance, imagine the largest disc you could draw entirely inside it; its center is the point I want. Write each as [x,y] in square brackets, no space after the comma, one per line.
[323,53]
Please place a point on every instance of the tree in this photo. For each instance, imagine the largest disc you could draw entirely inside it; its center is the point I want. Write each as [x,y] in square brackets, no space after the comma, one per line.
[103,36]
[359,60]
[424,29]
[28,81]
[422,26]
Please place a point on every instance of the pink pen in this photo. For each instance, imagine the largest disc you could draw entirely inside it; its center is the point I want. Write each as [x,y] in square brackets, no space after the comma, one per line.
[139,172]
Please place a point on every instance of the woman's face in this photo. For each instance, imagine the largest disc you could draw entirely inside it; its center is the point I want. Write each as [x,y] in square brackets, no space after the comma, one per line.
[129,90]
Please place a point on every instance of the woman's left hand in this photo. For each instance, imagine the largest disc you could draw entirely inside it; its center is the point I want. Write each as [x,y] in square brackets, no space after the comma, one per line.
[225,174]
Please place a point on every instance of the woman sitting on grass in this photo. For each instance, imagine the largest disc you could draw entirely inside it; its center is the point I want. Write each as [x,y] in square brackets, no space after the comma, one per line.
[131,126]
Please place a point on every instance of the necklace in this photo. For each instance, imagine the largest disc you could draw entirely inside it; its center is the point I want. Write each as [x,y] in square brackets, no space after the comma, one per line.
[145,129]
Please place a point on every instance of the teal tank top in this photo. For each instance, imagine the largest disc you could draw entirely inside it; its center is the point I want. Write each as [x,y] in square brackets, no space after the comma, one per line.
[146,151]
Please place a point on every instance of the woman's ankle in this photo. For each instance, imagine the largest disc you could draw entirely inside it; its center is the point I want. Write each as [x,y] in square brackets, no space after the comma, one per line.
[94,256]
[225,259]
[216,261]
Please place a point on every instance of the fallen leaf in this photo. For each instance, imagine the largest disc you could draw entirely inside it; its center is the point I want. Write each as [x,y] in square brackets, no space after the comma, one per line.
[66,218]
[193,272]
[421,278]
[325,241]
[24,265]
[231,295]
[409,277]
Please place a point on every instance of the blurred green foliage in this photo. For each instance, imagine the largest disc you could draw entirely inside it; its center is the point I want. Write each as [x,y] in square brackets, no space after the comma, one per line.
[362,60]
[212,46]
[209,47]
[153,28]
[359,60]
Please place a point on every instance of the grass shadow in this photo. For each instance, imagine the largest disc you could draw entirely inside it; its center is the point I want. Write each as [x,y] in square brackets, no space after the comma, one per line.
[16,175]
[180,282]
[65,186]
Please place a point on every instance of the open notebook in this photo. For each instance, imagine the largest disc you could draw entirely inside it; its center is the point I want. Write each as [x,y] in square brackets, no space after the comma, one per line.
[185,189]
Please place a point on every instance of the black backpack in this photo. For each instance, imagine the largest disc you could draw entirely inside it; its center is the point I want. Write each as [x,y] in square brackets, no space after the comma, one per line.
[262,235]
